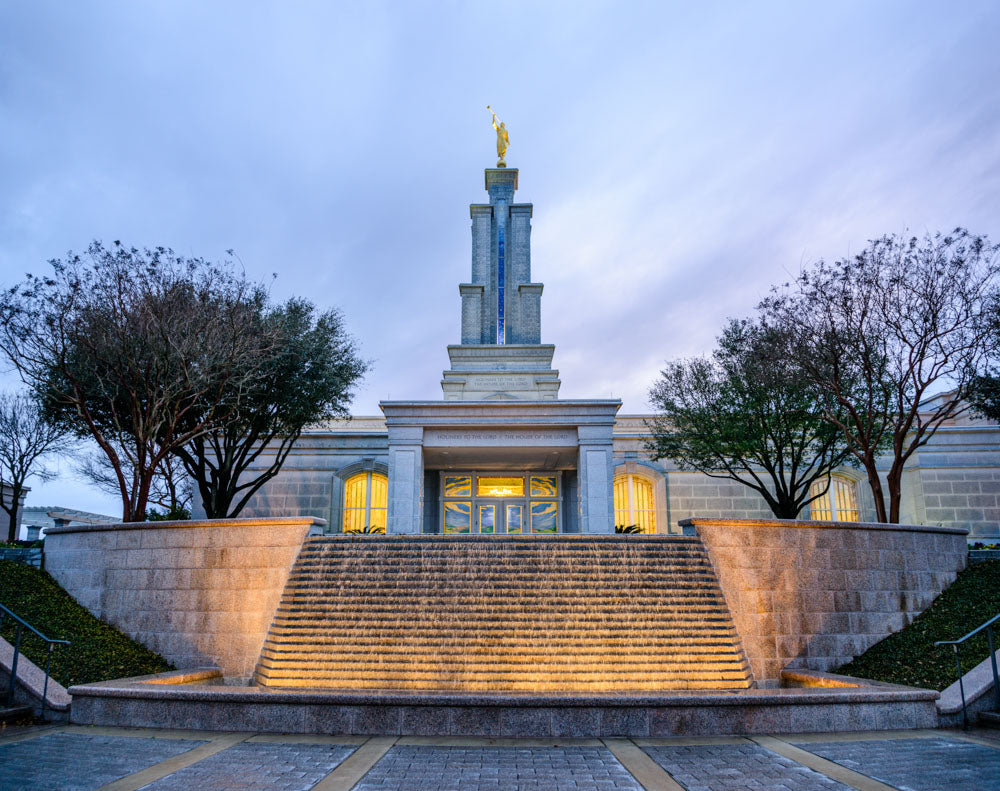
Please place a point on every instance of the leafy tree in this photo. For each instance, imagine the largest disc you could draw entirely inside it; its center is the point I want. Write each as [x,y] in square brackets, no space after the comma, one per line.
[124,346]
[307,378]
[25,439]
[746,415]
[892,340]
[984,395]
[984,389]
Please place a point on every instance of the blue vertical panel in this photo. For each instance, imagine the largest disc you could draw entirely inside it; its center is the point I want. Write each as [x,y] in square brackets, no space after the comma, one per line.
[501,331]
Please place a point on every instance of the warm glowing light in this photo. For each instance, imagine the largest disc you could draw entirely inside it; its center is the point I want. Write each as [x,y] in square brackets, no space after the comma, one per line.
[634,504]
[839,504]
[365,503]
[500,487]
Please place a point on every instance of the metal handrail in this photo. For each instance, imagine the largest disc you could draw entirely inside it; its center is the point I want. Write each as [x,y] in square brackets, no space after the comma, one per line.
[988,626]
[21,624]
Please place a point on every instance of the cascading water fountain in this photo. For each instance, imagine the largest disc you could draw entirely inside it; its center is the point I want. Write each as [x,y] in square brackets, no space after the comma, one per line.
[516,614]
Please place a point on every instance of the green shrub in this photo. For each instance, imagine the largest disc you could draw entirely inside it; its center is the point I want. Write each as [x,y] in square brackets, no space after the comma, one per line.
[98,652]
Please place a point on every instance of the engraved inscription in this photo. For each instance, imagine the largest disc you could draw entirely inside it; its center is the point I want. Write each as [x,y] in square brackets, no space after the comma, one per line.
[508,437]
[501,382]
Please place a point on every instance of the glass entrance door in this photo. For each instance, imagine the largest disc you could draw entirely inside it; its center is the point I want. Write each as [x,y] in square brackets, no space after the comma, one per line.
[500,503]
[501,516]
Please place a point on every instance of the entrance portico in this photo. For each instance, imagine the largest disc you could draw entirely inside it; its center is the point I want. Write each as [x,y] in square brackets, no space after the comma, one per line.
[434,445]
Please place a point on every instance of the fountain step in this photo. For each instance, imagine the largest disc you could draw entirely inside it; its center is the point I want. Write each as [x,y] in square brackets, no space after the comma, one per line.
[530,586]
[331,598]
[652,580]
[515,614]
[488,615]
[444,643]
[732,671]
[622,638]
[578,565]
[466,608]
[680,654]
[502,629]
[556,561]
[639,645]
[509,627]
[537,686]
[491,678]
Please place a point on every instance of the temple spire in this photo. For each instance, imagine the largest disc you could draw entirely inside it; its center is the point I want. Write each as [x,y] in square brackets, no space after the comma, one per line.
[501,306]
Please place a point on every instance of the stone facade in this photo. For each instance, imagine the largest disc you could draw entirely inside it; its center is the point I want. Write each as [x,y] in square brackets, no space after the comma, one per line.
[817,594]
[197,593]
[949,483]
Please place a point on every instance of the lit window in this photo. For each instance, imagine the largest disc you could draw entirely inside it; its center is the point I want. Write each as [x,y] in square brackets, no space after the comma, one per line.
[543,517]
[634,503]
[499,487]
[543,485]
[458,486]
[458,517]
[838,504]
[365,503]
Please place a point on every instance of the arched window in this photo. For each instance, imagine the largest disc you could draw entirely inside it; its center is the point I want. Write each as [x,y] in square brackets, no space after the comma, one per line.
[634,503]
[365,502]
[839,504]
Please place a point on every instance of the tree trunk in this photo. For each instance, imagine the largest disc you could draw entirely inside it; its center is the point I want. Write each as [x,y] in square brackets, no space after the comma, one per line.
[785,509]
[895,481]
[15,506]
[875,483]
[138,513]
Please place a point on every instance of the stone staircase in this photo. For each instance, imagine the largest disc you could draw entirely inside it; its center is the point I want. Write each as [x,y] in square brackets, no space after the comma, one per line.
[503,614]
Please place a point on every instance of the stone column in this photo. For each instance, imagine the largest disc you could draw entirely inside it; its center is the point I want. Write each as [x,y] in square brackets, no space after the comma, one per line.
[472,312]
[482,216]
[406,480]
[594,471]
[531,313]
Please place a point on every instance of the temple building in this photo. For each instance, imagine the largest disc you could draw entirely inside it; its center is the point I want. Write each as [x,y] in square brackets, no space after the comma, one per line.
[500,452]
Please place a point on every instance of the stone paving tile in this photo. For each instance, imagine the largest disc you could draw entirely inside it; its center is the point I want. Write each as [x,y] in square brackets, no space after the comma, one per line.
[738,767]
[81,762]
[934,764]
[258,766]
[406,768]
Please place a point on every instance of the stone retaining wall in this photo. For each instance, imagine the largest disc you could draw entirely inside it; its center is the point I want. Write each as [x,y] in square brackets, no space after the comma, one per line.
[817,594]
[196,592]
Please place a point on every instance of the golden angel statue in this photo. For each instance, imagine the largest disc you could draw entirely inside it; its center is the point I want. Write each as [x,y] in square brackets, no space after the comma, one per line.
[503,140]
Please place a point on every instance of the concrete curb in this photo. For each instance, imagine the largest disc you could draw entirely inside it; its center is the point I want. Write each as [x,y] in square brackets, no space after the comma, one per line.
[164,702]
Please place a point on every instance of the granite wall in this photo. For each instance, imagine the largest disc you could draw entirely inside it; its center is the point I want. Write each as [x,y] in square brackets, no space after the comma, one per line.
[197,592]
[817,594]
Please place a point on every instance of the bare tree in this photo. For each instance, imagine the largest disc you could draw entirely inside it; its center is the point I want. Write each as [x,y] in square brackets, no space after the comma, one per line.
[25,439]
[125,345]
[170,488]
[881,333]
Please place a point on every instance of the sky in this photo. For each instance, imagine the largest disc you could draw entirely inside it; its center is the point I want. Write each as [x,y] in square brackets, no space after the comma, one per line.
[681,157]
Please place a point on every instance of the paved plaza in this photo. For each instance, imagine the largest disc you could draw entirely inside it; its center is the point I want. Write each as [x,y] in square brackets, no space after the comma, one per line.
[77,758]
